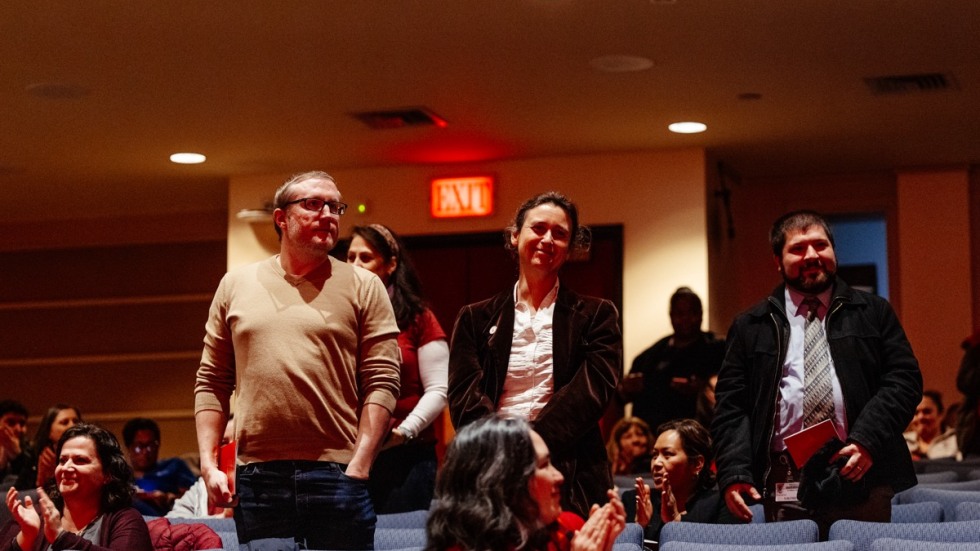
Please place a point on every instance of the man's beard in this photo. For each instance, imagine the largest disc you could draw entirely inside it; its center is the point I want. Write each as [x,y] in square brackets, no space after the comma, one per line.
[811,286]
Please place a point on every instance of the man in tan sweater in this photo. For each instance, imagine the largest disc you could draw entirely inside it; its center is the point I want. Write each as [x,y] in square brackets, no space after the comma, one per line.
[309,344]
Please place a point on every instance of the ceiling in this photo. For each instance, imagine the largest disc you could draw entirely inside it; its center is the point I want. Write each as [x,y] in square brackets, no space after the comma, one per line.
[95,95]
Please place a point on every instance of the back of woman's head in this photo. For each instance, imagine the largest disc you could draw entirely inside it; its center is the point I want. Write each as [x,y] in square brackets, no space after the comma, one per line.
[118,490]
[696,442]
[483,499]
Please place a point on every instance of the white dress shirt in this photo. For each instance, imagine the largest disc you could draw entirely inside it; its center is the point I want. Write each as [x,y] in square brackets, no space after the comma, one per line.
[791,384]
[530,380]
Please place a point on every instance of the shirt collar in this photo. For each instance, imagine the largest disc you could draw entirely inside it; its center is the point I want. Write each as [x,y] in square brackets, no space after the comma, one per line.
[549,299]
[796,298]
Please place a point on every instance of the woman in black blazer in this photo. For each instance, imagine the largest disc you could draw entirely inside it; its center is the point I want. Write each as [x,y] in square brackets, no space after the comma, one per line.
[541,352]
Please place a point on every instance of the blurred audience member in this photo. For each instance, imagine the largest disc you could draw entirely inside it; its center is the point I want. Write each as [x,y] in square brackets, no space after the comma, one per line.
[705,409]
[629,446]
[499,490]
[13,427]
[55,422]
[968,383]
[683,483]
[665,379]
[930,438]
[88,508]
[160,482]
[951,415]
[403,476]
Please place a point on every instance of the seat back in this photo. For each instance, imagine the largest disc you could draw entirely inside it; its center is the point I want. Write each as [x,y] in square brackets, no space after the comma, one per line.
[968,510]
[410,519]
[926,511]
[773,533]
[964,485]
[961,468]
[862,534]
[633,533]
[937,477]
[819,546]
[891,544]
[949,499]
[398,538]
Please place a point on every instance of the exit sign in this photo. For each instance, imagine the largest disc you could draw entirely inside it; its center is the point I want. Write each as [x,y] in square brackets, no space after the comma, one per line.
[460,197]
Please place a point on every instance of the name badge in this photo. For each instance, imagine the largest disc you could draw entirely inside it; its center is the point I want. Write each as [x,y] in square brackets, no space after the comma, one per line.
[786,491]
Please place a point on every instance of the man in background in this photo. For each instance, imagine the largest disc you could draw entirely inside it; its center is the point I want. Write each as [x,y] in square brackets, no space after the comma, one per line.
[160,482]
[666,379]
[13,429]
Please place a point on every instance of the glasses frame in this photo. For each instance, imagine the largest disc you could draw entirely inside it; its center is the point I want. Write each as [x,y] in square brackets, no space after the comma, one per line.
[333,207]
[148,447]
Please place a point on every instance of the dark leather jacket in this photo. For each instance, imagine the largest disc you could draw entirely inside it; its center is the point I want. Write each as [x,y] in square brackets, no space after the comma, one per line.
[879,378]
[587,367]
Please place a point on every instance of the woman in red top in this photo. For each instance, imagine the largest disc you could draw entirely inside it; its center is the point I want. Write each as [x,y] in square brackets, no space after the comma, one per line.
[404,474]
[498,490]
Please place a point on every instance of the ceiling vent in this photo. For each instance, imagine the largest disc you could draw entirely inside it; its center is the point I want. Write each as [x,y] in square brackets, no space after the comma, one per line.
[907,84]
[400,118]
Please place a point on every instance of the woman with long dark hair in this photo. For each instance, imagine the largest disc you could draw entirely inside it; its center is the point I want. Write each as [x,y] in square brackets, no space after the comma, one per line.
[403,476]
[498,490]
[90,506]
[541,352]
[58,419]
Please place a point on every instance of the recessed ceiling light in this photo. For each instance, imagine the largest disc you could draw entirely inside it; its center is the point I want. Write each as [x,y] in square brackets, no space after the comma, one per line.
[187,158]
[621,63]
[687,127]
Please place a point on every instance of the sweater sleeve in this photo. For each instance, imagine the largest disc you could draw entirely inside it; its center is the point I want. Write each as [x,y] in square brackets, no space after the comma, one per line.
[378,370]
[216,374]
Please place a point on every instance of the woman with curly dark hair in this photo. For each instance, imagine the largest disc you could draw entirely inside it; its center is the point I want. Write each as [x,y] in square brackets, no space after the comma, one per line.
[498,490]
[88,508]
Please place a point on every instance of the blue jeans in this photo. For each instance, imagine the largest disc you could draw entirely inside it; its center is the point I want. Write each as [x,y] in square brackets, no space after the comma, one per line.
[313,502]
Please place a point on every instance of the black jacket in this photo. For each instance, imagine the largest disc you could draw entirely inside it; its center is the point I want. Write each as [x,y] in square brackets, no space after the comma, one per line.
[879,378]
[588,356]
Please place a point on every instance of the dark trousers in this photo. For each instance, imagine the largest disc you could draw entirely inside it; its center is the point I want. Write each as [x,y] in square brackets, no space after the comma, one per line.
[313,502]
[877,508]
[403,478]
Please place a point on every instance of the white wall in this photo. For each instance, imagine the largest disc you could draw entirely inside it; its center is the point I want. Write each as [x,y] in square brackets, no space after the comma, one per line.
[658,197]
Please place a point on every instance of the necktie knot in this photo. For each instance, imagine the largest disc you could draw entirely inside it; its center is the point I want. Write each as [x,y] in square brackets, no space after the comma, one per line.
[812,306]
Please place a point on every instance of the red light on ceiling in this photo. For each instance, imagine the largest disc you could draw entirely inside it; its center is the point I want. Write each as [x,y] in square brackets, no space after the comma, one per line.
[461,197]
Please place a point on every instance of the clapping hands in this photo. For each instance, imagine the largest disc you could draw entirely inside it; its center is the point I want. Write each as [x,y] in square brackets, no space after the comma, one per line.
[603,526]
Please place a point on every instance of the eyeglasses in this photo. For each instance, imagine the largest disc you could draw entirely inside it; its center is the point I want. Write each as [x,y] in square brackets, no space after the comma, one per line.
[145,448]
[316,205]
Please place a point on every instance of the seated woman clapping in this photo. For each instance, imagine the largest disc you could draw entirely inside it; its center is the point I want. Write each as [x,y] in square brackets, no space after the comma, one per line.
[89,506]
[498,490]
[684,485]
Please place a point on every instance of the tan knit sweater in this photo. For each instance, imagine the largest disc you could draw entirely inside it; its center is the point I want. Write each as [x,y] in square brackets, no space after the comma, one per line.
[304,355]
